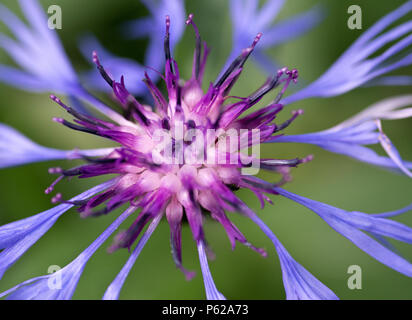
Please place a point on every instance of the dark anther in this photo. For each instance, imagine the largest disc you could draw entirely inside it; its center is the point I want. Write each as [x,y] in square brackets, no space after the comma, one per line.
[191,124]
[165,124]
[270,85]
[102,71]
[168,55]
[238,62]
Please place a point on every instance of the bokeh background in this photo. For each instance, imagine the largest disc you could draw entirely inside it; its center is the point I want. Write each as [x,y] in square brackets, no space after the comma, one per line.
[239,274]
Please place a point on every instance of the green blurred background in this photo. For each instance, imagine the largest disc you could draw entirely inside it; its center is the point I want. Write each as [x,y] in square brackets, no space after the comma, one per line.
[239,274]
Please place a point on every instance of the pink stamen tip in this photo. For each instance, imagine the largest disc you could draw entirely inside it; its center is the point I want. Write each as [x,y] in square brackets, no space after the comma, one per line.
[55,170]
[57,100]
[190,19]
[263,253]
[96,58]
[58,120]
[297,112]
[57,198]
[307,158]
[257,38]
[247,51]
[167,23]
[48,190]
[189,275]
[282,71]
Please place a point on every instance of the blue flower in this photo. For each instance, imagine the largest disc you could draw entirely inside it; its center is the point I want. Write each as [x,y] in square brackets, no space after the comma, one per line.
[193,190]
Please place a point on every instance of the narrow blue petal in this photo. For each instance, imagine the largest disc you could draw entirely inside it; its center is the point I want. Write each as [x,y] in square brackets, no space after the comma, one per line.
[352,224]
[387,109]
[383,23]
[390,81]
[52,70]
[38,51]
[16,149]
[17,237]
[394,213]
[383,241]
[16,78]
[292,28]
[350,137]
[356,67]
[138,28]
[248,20]
[113,290]
[39,288]
[269,11]
[212,293]
[393,153]
[299,283]
[15,25]
[354,151]
[265,63]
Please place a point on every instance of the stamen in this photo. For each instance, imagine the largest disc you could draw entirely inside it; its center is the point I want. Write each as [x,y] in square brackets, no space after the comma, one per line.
[74,126]
[261,251]
[284,125]
[198,49]
[168,55]
[179,99]
[51,187]
[57,198]
[277,164]
[280,162]
[102,71]
[76,114]
[160,101]
[270,85]
[58,101]
[238,62]
[292,76]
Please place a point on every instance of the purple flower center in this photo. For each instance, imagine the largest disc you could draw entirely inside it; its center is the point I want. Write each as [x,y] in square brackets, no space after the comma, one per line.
[162,179]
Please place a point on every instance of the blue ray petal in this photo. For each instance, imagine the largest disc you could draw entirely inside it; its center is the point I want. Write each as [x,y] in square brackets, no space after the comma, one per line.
[356,67]
[16,149]
[212,293]
[351,136]
[248,20]
[39,288]
[113,290]
[299,283]
[352,224]
[17,237]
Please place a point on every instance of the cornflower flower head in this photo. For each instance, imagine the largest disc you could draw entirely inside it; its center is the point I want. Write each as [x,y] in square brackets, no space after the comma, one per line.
[176,160]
